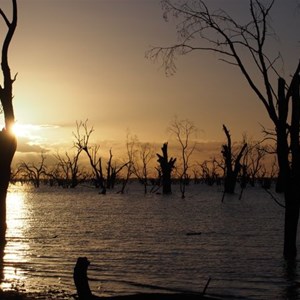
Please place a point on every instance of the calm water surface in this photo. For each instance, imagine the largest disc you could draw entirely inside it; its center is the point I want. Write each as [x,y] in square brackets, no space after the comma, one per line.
[135,241]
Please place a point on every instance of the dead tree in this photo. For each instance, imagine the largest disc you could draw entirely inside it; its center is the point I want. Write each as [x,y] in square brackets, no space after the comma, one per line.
[69,166]
[209,171]
[81,279]
[247,47]
[232,164]
[34,171]
[82,143]
[15,175]
[112,171]
[8,142]
[166,166]
[183,130]
[253,160]
[131,142]
[55,175]
[141,165]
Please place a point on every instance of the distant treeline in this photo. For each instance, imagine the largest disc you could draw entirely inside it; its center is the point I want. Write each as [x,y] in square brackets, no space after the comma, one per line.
[243,163]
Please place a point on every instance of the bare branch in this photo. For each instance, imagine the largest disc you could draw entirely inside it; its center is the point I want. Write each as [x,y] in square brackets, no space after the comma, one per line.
[4,17]
[200,29]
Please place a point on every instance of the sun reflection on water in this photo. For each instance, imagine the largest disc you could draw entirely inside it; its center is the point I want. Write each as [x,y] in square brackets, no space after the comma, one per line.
[15,259]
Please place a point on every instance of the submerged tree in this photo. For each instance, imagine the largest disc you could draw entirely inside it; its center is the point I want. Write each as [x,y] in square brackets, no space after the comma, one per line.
[253,161]
[141,165]
[34,171]
[128,165]
[82,142]
[245,46]
[232,163]
[8,142]
[209,171]
[68,168]
[166,167]
[183,130]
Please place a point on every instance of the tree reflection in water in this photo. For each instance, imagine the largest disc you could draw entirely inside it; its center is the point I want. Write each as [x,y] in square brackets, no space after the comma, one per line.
[290,273]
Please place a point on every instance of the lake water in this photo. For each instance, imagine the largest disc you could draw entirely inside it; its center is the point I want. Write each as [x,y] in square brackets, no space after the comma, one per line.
[136,241]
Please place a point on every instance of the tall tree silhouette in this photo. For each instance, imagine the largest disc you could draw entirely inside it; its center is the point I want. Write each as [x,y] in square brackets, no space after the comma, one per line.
[82,143]
[232,164]
[8,142]
[183,130]
[141,166]
[245,46]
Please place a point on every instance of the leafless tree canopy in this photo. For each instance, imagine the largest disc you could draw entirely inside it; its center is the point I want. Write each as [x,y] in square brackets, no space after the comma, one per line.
[237,44]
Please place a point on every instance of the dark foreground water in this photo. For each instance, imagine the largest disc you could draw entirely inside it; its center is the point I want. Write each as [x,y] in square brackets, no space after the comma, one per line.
[135,241]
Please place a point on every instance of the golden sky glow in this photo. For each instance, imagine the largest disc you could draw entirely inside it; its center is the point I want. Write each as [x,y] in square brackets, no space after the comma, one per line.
[85,59]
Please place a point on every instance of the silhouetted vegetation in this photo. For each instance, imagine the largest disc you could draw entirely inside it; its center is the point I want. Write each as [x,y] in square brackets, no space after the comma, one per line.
[84,292]
[82,144]
[129,161]
[183,130]
[245,47]
[8,143]
[254,166]
[232,163]
[70,169]
[209,172]
[166,167]
[145,155]
[34,171]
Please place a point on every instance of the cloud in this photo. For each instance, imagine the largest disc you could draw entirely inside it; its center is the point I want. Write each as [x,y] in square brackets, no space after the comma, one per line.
[25,145]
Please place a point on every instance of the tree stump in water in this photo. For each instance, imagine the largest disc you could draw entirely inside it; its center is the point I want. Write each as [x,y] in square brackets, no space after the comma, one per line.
[81,279]
[166,165]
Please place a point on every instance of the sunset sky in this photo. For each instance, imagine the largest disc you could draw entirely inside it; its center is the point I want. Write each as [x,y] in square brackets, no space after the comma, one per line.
[85,59]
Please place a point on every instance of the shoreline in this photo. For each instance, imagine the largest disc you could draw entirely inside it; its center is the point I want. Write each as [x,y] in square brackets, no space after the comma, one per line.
[52,295]
[18,295]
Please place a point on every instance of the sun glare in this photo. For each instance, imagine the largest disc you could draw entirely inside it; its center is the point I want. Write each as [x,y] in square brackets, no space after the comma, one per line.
[20,130]
[16,246]
[25,130]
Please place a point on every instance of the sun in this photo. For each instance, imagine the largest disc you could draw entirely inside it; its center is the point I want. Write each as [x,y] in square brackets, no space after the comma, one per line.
[30,134]
[20,130]
[25,130]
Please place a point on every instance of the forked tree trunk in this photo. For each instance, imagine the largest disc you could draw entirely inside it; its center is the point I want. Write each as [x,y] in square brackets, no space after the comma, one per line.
[232,166]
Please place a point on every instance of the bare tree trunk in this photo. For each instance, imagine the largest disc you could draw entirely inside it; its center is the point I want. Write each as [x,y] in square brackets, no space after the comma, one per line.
[232,166]
[81,279]
[8,146]
[8,143]
[282,142]
[289,172]
[109,183]
[166,168]
[291,220]
[292,190]
[231,41]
